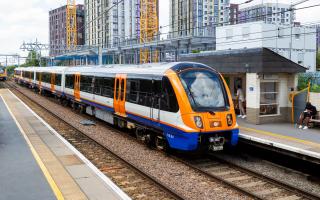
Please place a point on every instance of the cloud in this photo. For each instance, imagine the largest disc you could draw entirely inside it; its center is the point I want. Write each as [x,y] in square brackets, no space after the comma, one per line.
[25,20]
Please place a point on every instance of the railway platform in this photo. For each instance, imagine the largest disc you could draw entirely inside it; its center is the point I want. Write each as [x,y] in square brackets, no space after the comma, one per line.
[38,163]
[284,138]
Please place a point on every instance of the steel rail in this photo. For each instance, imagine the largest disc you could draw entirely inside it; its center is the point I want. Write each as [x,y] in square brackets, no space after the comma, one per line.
[301,192]
[278,183]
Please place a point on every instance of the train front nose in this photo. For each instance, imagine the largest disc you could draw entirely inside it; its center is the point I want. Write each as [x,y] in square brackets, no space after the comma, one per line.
[219,128]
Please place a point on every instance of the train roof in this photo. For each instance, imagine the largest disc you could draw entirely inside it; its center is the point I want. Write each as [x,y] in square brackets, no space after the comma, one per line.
[156,69]
[148,68]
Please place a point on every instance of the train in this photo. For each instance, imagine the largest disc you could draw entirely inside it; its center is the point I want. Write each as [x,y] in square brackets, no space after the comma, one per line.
[3,74]
[180,105]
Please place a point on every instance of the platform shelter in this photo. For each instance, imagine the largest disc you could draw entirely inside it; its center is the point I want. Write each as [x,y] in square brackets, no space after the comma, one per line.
[266,78]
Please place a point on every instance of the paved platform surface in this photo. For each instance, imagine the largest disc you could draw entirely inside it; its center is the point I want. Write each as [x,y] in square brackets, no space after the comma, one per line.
[19,172]
[284,136]
[37,163]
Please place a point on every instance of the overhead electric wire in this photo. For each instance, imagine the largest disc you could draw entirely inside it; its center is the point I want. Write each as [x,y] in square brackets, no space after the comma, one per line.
[202,26]
[261,16]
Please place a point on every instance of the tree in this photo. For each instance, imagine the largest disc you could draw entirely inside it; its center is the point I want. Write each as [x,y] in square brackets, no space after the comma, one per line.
[33,60]
[10,69]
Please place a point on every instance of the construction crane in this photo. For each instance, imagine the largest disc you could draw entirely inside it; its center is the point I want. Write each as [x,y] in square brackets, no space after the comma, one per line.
[149,28]
[71,24]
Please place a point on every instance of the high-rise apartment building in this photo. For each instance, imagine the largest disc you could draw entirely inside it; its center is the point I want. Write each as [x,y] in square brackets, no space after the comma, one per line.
[58,32]
[109,23]
[233,13]
[104,22]
[271,13]
[197,17]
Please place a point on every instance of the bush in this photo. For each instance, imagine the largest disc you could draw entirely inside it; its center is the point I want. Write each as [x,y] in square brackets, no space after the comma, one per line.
[314,78]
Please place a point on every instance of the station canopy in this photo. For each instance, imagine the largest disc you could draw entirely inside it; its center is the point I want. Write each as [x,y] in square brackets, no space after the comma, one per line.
[255,60]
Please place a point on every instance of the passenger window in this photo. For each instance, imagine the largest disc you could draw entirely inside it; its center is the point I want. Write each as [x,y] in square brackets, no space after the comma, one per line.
[168,98]
[104,86]
[133,87]
[38,76]
[69,81]
[58,79]
[86,84]
[145,96]
[156,93]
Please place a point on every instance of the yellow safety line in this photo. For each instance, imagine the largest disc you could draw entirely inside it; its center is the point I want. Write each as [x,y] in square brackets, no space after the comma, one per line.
[45,171]
[281,136]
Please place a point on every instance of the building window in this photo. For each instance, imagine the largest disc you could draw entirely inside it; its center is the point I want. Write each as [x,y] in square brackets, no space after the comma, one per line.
[269,100]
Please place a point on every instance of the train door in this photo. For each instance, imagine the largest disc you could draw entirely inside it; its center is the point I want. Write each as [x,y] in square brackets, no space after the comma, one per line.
[120,94]
[76,89]
[52,81]
[155,99]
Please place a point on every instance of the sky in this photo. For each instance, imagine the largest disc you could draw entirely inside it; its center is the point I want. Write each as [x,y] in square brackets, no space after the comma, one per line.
[28,20]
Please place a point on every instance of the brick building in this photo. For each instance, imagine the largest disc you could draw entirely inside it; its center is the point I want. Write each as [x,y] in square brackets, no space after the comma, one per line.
[57,29]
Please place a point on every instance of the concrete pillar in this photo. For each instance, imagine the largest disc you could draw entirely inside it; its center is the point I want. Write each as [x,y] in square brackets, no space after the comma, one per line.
[100,55]
[253,98]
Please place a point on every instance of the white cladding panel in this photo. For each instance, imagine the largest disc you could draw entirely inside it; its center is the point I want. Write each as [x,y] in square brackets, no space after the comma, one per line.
[275,37]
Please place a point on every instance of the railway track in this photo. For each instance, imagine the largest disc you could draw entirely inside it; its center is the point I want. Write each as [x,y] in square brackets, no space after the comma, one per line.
[136,183]
[246,180]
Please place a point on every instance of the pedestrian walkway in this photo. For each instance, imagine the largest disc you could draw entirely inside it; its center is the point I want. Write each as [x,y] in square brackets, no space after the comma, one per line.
[283,136]
[37,163]
[19,172]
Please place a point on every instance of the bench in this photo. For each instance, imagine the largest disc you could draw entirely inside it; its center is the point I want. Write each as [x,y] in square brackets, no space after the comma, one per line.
[315,120]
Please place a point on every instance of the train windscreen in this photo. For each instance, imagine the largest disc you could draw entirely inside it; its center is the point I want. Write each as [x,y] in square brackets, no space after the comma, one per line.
[205,90]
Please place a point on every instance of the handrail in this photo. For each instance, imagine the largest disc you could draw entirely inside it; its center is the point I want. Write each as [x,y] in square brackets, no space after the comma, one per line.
[295,93]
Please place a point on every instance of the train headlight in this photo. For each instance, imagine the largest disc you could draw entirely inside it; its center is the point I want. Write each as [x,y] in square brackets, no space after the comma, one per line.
[229,120]
[198,121]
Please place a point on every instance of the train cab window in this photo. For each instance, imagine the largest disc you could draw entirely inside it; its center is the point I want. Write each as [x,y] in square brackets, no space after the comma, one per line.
[69,81]
[168,98]
[205,90]
[58,79]
[104,86]
[86,84]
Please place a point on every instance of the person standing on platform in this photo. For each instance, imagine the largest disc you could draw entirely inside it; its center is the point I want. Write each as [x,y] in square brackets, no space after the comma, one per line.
[305,116]
[241,100]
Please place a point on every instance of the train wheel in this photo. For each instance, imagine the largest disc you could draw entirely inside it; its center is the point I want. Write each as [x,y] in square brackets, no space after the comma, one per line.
[82,109]
[162,144]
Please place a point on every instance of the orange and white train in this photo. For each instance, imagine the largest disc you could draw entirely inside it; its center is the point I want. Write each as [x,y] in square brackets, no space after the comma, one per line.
[182,105]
